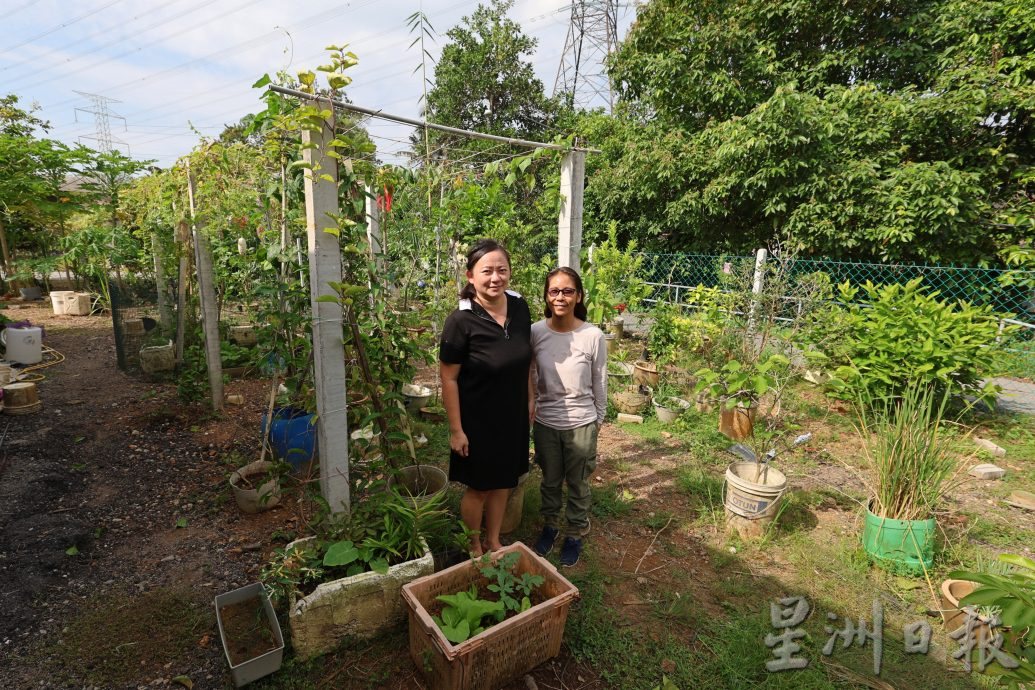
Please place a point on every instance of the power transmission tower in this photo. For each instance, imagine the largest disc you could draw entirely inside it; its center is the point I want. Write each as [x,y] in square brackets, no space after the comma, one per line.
[592,36]
[102,117]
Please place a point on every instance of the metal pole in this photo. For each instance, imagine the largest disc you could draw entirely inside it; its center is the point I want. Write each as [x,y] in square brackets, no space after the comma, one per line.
[430,125]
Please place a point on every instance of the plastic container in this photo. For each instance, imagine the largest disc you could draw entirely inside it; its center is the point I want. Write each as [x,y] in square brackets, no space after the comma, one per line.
[416,397]
[292,435]
[59,301]
[750,498]
[420,483]
[24,345]
[899,546]
[264,664]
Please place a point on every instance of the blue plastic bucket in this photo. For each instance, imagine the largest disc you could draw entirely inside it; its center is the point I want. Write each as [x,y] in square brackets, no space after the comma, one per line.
[292,435]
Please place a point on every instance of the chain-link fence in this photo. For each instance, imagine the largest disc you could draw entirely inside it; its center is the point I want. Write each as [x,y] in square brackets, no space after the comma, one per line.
[1010,293]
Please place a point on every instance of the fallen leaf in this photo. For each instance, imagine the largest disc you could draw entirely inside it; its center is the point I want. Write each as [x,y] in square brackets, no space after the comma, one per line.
[184,681]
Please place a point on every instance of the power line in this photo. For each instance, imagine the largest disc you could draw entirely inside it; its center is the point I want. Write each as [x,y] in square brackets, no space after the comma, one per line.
[19,8]
[79,56]
[70,22]
[184,30]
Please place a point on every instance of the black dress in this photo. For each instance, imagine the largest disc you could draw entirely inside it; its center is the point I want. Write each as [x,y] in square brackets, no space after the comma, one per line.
[493,384]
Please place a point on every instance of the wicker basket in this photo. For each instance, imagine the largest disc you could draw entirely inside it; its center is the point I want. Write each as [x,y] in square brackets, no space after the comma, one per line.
[500,654]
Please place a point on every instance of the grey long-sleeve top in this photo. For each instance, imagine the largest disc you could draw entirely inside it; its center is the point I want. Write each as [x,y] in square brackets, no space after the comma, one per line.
[571,375]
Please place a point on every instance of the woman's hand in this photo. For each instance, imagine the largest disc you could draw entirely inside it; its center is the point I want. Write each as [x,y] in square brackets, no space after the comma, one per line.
[458,442]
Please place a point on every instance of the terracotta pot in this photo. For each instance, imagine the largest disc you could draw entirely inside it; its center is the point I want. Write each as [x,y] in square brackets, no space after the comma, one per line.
[736,423]
[645,373]
[952,613]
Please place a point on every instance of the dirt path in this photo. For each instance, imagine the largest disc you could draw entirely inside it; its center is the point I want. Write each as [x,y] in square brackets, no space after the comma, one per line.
[91,491]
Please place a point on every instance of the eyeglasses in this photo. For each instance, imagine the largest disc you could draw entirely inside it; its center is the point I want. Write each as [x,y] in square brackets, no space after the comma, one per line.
[567,292]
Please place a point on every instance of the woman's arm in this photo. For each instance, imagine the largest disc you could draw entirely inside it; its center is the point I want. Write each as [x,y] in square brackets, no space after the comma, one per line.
[531,391]
[451,401]
[600,379]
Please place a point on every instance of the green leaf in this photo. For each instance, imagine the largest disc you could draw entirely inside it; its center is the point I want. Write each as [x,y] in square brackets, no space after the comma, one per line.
[72,551]
[181,523]
[340,553]
[379,565]
[262,81]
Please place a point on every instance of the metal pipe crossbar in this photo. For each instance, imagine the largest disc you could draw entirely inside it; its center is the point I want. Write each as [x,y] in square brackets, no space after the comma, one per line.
[430,125]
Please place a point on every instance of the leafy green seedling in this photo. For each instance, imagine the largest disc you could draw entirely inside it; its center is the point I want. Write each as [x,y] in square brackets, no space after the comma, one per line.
[462,616]
[72,551]
[181,523]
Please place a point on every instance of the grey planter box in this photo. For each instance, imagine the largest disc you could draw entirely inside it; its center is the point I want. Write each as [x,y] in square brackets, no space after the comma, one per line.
[362,606]
[260,666]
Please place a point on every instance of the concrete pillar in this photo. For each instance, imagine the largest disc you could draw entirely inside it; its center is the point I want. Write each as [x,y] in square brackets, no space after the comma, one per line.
[569,224]
[321,212]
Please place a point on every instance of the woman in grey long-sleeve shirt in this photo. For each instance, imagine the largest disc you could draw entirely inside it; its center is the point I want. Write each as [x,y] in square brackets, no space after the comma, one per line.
[571,399]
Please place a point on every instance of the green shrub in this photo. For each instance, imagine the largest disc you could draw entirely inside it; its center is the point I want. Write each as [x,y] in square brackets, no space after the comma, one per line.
[903,334]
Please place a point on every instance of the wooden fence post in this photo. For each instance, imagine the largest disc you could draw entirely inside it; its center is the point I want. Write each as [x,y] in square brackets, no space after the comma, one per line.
[321,213]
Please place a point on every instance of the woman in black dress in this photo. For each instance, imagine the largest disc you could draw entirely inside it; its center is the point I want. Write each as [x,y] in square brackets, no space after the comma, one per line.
[485,356]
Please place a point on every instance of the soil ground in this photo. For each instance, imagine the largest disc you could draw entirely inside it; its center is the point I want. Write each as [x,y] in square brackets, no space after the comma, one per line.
[117,530]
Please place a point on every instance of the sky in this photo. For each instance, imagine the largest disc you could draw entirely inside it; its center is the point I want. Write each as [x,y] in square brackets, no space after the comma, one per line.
[175,65]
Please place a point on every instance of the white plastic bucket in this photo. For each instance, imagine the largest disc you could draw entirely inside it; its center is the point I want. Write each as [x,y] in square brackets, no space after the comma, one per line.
[749,498]
[24,345]
[59,300]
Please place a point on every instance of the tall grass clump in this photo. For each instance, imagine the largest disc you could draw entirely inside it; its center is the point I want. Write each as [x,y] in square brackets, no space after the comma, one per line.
[909,452]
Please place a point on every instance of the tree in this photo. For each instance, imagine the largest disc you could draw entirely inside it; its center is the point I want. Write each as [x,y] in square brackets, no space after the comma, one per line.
[484,81]
[894,131]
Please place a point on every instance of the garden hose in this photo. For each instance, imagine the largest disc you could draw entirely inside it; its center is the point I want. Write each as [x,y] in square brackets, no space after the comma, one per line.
[56,358]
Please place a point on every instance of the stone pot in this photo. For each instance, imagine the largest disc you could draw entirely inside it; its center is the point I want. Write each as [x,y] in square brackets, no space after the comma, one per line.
[361,606]
[630,402]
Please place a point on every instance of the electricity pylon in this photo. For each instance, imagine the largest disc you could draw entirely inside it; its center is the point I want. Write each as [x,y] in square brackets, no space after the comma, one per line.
[592,36]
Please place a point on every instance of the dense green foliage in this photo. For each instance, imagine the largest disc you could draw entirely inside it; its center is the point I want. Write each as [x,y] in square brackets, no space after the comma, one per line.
[899,131]
[901,335]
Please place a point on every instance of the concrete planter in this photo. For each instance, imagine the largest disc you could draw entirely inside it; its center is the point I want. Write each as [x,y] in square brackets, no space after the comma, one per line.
[361,606]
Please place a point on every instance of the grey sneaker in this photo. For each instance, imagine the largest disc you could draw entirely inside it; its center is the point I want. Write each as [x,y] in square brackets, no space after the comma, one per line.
[544,544]
[570,551]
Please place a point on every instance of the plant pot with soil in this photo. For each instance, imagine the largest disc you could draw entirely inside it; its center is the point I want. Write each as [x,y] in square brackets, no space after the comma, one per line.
[256,486]
[345,580]
[645,373]
[464,636]
[911,465]
[416,397]
[619,373]
[630,401]
[250,633]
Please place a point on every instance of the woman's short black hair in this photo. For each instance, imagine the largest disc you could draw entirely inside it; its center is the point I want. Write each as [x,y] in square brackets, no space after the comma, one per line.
[480,249]
[580,306]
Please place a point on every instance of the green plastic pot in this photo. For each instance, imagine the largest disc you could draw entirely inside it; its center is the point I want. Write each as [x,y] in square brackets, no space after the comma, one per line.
[899,546]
